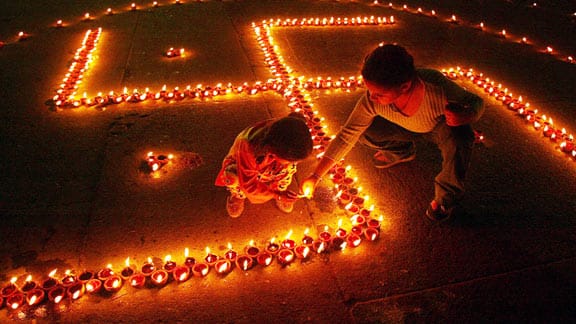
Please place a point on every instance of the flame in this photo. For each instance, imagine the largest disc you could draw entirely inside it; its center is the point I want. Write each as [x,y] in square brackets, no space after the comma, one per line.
[13,280]
[150,260]
[167,258]
[89,287]
[289,234]
[305,252]
[116,283]
[204,271]
[127,262]
[109,266]
[14,305]
[348,206]
[272,240]
[29,278]
[207,250]
[75,295]
[321,247]
[134,282]
[58,299]
[306,231]
[186,252]
[223,267]
[245,264]
[32,300]
[183,276]
[251,243]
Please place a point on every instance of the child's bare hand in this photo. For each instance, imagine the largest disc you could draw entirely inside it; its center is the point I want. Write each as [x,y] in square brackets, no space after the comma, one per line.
[287,195]
[308,186]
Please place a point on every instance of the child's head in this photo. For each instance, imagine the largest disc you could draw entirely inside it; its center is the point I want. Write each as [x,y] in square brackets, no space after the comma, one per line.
[389,66]
[289,138]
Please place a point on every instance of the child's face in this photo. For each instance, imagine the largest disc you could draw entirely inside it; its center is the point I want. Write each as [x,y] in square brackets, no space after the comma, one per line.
[383,95]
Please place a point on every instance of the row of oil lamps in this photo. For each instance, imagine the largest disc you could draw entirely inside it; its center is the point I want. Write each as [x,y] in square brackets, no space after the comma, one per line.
[540,122]
[481,26]
[72,285]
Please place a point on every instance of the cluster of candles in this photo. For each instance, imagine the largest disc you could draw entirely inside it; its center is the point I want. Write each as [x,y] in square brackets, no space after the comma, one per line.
[481,26]
[540,122]
[107,280]
[155,162]
[325,21]
[82,59]
[171,53]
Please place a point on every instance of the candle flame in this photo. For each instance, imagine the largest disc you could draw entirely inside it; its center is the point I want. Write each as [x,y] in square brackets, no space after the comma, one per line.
[340,222]
[57,299]
[134,282]
[167,258]
[116,283]
[289,234]
[29,278]
[183,276]
[109,266]
[75,295]
[13,280]
[186,252]
[251,243]
[207,250]
[89,287]
[306,231]
[150,260]
[32,300]
[272,240]
[229,246]
[223,267]
[127,262]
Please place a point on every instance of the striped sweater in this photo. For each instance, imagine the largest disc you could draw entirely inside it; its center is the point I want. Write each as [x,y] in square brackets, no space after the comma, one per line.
[439,90]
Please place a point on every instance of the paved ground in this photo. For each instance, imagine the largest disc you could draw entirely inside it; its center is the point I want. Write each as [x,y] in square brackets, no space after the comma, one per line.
[73,194]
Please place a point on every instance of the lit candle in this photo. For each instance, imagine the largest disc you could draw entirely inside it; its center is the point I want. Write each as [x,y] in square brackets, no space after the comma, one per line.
[15,300]
[244,262]
[340,232]
[353,240]
[307,239]
[319,246]
[288,243]
[76,291]
[93,286]
[285,256]
[371,233]
[148,267]
[272,247]
[302,251]
[338,243]
[85,276]
[35,296]
[200,269]
[22,36]
[181,273]
[159,277]
[231,254]
[113,283]
[109,11]
[325,236]
[223,266]
[210,258]
[251,250]
[28,284]
[105,273]
[188,260]
[169,265]
[59,23]
[264,258]
[11,288]
[50,282]
[128,271]
[137,280]
[57,294]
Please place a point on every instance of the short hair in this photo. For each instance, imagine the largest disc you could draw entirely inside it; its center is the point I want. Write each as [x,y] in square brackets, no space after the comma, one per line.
[389,65]
[289,138]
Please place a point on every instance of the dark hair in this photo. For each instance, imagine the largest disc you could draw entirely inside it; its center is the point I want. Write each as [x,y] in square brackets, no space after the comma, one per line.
[289,138]
[389,66]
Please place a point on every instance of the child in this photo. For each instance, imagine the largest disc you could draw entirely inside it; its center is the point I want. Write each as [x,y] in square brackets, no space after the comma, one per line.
[261,162]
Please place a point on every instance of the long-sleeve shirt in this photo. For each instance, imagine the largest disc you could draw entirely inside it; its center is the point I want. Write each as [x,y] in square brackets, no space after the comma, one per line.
[439,90]
[255,176]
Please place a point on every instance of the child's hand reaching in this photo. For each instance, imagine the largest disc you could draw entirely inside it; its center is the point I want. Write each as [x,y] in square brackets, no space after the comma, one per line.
[287,196]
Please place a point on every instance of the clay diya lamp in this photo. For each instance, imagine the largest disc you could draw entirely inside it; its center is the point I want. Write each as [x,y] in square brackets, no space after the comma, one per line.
[159,277]
[223,266]
[285,256]
[35,296]
[353,240]
[244,262]
[93,286]
[371,233]
[15,300]
[264,258]
[200,269]
[113,283]
[56,294]
[181,273]
[105,273]
[272,247]
[148,268]
[302,251]
[28,285]
[338,243]
[10,288]
[76,291]
[68,280]
[85,276]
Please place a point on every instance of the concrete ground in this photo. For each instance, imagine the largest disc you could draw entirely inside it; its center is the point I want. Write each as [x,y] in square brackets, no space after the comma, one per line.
[74,195]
